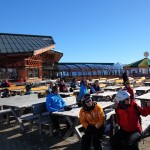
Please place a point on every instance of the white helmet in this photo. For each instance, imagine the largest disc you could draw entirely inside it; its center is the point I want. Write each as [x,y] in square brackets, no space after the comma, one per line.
[122,95]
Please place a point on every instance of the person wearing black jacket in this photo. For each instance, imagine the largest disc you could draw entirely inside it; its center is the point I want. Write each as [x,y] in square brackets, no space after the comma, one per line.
[125,77]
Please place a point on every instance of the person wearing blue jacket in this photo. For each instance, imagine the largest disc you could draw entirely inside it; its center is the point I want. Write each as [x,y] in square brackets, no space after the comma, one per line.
[54,102]
[95,88]
[83,91]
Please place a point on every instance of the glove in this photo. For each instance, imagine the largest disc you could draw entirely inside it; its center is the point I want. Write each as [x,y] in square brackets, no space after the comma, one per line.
[135,137]
[91,129]
[67,108]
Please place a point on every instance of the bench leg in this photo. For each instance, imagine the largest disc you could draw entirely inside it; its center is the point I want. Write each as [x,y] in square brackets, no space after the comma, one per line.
[8,118]
[50,129]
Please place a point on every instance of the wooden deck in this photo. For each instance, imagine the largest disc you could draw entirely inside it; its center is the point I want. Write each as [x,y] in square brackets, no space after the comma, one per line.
[12,139]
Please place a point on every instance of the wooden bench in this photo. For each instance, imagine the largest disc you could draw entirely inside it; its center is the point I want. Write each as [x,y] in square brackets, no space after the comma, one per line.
[4,111]
[108,114]
[43,117]
[39,116]
[17,98]
[7,113]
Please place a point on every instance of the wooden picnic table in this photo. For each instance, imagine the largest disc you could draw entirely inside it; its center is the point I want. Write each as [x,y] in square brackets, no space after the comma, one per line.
[112,88]
[105,96]
[143,98]
[74,113]
[65,94]
[20,83]
[20,103]
[145,122]
[146,83]
[142,90]
[39,88]
[16,88]
[109,83]
[18,91]
[76,90]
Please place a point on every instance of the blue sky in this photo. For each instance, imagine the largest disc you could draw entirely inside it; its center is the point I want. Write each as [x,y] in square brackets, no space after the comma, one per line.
[84,30]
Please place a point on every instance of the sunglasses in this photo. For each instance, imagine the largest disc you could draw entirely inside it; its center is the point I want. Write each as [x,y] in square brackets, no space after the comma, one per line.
[88,100]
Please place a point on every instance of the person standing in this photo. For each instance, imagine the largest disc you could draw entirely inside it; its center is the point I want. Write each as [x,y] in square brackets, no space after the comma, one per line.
[127,117]
[125,77]
[92,118]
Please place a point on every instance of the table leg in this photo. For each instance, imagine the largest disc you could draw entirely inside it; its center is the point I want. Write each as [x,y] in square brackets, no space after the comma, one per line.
[72,126]
[18,119]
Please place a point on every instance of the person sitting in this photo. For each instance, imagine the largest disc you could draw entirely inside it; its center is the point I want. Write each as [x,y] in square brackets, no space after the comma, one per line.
[128,88]
[57,81]
[95,88]
[54,102]
[92,118]
[62,86]
[83,91]
[20,80]
[127,117]
[4,93]
[82,81]
[28,90]
[6,83]
[50,87]
[74,84]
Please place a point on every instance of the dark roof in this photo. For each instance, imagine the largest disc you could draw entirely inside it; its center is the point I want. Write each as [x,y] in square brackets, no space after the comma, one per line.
[68,63]
[22,43]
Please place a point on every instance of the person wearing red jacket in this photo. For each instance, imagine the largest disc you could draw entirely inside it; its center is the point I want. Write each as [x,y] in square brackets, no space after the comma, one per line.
[129,89]
[127,117]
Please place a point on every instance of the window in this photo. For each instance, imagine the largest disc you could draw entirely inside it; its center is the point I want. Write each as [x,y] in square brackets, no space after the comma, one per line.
[32,73]
[2,73]
[12,73]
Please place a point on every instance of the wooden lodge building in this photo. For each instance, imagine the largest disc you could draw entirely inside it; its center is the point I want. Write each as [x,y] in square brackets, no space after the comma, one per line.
[32,57]
[27,56]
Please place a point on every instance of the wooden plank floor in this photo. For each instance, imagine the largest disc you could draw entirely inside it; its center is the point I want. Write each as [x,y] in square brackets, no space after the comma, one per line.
[12,139]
